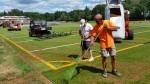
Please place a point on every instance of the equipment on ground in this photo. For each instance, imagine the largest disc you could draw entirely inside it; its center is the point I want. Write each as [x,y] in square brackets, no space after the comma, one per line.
[115,12]
[39,28]
[15,26]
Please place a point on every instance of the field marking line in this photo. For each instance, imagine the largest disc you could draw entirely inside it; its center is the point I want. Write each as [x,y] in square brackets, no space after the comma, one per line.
[142,38]
[55,47]
[24,41]
[31,54]
[61,61]
[134,27]
[74,35]
[12,34]
[142,32]
[67,65]
[95,57]
[129,47]
[19,37]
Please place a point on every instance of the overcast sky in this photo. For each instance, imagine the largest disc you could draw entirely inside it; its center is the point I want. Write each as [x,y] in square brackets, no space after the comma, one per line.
[43,6]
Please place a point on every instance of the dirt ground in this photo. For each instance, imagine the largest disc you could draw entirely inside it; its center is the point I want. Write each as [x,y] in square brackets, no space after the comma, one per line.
[30,78]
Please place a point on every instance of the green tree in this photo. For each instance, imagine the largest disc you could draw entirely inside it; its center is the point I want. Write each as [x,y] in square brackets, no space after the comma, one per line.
[128,1]
[137,12]
[46,16]
[145,4]
[98,9]
[15,12]
[5,13]
[64,17]
[87,15]
[76,15]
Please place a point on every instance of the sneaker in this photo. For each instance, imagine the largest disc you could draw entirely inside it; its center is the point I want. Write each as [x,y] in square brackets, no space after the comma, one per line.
[104,74]
[116,73]
[91,59]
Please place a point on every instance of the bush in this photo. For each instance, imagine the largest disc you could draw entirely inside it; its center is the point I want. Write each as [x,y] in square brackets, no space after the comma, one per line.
[148,17]
[5,24]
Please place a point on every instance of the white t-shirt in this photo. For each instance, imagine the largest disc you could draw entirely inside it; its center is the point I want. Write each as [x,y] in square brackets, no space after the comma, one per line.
[85,31]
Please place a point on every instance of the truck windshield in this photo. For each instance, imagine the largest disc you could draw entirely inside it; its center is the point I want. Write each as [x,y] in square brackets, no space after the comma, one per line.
[40,22]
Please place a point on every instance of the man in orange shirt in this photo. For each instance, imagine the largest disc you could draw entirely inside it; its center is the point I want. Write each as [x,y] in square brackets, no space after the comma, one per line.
[104,29]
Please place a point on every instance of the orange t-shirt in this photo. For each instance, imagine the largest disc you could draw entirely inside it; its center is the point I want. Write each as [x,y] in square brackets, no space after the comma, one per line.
[106,38]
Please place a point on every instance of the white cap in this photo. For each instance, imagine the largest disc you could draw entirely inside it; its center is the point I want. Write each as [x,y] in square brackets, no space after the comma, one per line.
[82,22]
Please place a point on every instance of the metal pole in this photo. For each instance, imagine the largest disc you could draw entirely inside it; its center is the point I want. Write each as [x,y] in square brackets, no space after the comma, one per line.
[106,2]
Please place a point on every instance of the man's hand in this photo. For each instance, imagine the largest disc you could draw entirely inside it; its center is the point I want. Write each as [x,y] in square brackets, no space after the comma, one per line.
[114,29]
[85,37]
[91,43]
[105,26]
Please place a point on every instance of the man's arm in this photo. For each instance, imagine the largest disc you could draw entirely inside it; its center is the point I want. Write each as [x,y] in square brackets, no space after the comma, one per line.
[112,27]
[92,40]
[80,33]
[93,34]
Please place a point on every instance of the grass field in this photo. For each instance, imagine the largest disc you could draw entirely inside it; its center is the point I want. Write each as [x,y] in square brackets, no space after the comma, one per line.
[14,69]
[52,57]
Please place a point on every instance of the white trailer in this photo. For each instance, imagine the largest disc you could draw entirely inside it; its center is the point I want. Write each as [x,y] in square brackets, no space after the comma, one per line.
[115,12]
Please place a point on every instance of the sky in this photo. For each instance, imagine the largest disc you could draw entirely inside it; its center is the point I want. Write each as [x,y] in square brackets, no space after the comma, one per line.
[50,6]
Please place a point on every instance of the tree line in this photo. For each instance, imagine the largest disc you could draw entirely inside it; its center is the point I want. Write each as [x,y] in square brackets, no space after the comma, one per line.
[139,10]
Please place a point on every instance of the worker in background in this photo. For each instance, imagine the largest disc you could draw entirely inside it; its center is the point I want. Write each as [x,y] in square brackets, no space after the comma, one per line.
[84,32]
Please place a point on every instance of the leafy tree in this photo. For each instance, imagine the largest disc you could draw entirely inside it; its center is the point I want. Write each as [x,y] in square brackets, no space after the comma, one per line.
[128,1]
[98,9]
[87,14]
[76,15]
[5,13]
[47,16]
[15,12]
[64,17]
[137,13]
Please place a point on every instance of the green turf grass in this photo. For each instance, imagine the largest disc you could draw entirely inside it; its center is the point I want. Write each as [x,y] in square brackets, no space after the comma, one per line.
[132,63]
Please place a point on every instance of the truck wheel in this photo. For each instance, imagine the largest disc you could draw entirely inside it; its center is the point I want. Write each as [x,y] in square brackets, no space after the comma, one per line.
[130,34]
[30,34]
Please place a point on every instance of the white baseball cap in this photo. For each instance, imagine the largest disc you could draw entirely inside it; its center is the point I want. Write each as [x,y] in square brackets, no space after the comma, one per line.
[82,22]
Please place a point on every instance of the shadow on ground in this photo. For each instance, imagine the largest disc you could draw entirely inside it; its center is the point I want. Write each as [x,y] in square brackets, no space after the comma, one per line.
[73,56]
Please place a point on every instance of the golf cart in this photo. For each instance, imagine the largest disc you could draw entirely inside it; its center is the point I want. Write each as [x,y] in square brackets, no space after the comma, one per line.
[115,12]
[38,28]
[15,26]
